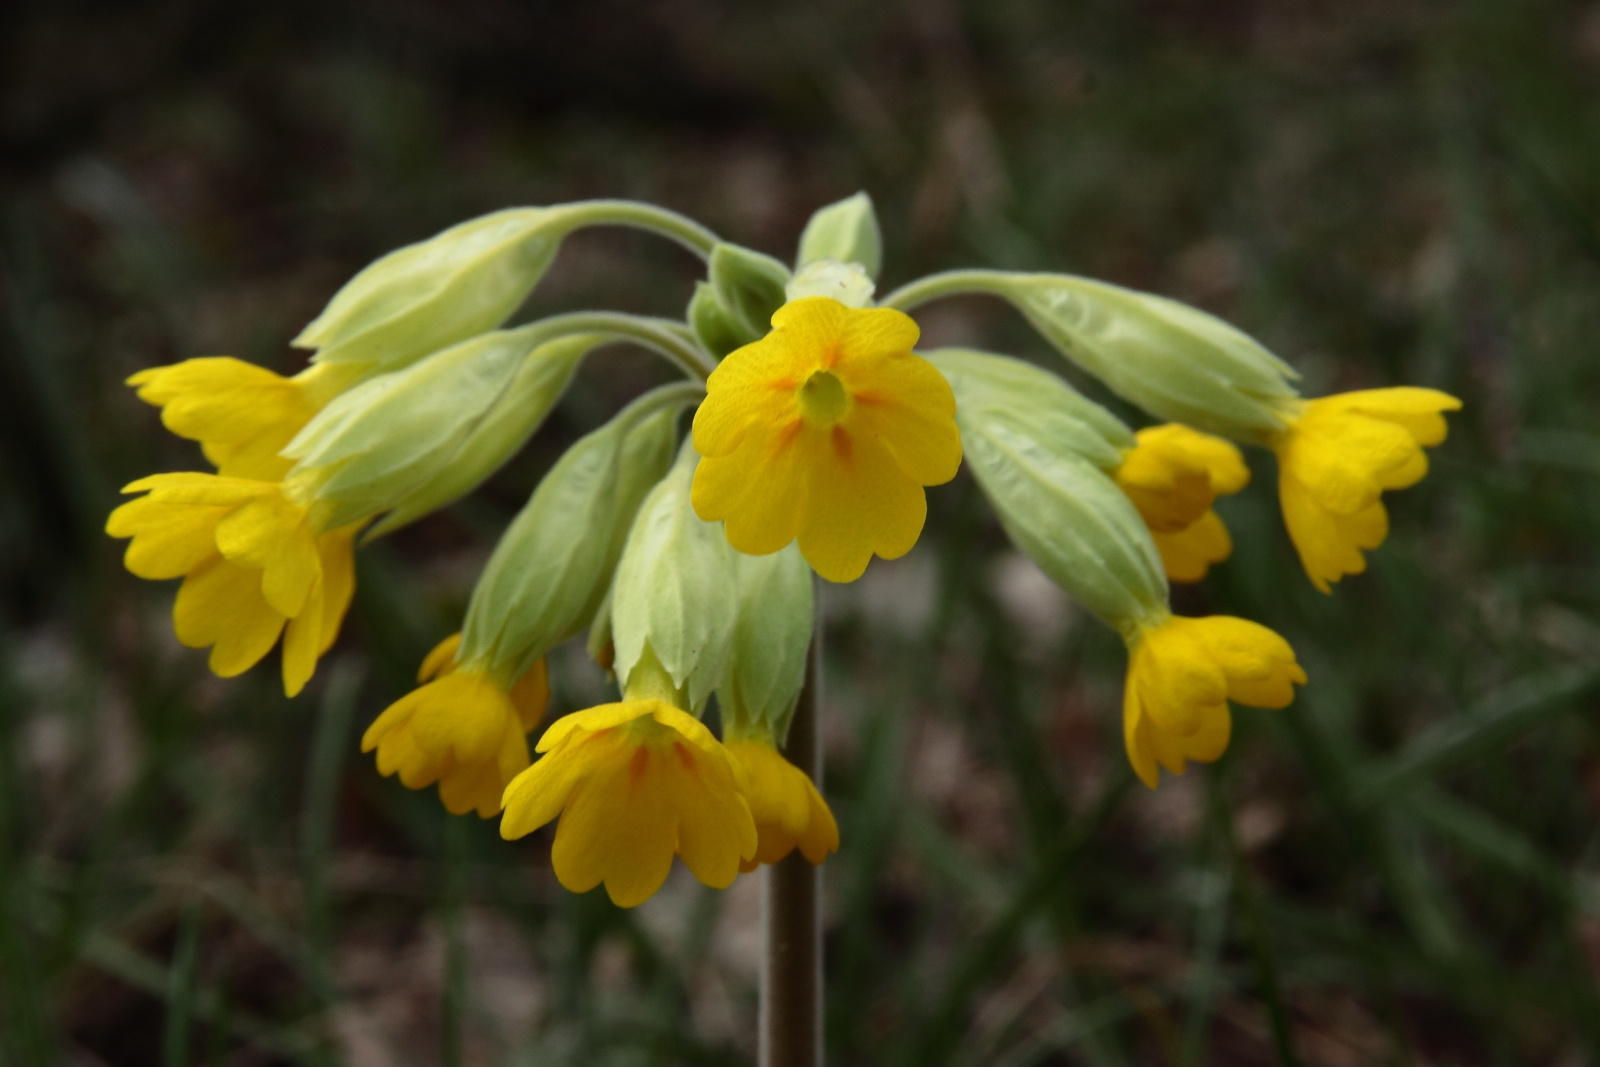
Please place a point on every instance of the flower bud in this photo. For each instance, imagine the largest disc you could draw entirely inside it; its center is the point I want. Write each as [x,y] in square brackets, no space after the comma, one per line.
[1042,462]
[1057,415]
[550,571]
[502,431]
[431,294]
[749,288]
[713,324]
[396,433]
[846,231]
[771,634]
[848,283]
[675,589]
[1178,363]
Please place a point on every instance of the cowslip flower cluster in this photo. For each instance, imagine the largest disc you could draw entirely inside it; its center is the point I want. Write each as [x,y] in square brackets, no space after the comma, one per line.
[689,560]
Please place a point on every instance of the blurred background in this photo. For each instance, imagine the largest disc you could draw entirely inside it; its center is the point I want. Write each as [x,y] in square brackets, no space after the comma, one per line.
[1401,868]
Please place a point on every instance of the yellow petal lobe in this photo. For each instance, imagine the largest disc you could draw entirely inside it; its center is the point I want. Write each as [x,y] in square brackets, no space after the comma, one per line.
[460,730]
[788,810]
[1173,475]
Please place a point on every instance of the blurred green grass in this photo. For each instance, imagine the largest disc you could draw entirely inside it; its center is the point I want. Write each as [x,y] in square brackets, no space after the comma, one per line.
[1401,868]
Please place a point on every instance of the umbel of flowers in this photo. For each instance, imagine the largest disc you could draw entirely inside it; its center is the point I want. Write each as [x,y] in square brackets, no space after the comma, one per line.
[688,558]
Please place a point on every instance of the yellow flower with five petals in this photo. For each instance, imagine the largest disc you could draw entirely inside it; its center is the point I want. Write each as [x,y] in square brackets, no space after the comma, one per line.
[634,783]
[464,728]
[825,431]
[1335,460]
[253,562]
[1181,674]
[1173,475]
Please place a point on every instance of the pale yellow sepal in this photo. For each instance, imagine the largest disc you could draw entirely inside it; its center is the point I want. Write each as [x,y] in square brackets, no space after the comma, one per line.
[825,431]
[633,784]
[771,638]
[1174,361]
[1041,454]
[1182,673]
[788,810]
[393,435]
[675,592]
[1335,460]
[846,231]
[549,573]
[430,295]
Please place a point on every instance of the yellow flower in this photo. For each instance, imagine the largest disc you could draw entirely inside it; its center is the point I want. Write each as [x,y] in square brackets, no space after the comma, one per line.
[634,783]
[462,728]
[1172,476]
[1335,460]
[253,566]
[241,414]
[786,806]
[825,430]
[1181,675]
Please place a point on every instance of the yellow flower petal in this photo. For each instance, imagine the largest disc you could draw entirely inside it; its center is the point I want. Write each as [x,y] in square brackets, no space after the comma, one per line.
[787,809]
[825,431]
[1172,475]
[273,535]
[857,503]
[633,783]
[242,415]
[1189,553]
[220,604]
[1182,672]
[460,730]
[1336,459]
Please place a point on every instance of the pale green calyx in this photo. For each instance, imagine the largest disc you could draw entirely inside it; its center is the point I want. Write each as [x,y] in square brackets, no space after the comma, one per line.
[846,231]
[465,280]
[1042,465]
[1054,413]
[675,589]
[1178,363]
[394,433]
[772,632]
[847,283]
[498,434]
[550,572]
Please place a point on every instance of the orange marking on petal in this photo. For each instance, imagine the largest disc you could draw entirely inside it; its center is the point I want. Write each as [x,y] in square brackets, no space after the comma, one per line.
[685,758]
[637,766]
[830,356]
[787,435]
[842,444]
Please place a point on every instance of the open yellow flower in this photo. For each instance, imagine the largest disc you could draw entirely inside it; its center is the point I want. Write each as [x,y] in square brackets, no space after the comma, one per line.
[1336,458]
[1173,475]
[253,565]
[825,430]
[462,728]
[241,414]
[633,783]
[1181,675]
[788,810]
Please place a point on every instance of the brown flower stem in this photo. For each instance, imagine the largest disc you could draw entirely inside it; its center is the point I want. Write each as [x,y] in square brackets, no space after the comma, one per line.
[791,971]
